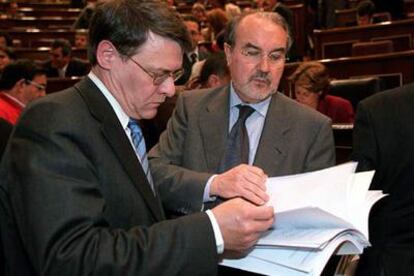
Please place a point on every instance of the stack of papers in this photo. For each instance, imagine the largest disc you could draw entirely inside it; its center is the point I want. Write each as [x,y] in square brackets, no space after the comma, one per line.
[317,214]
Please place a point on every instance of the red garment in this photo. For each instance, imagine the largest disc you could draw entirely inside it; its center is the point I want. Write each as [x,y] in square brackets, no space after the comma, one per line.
[337,108]
[10,108]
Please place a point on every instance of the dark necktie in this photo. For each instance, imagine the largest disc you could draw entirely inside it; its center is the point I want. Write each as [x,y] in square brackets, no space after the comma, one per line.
[237,147]
[139,144]
[193,58]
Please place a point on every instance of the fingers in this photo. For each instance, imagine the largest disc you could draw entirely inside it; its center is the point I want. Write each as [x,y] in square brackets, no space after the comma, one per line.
[242,223]
[253,184]
[244,181]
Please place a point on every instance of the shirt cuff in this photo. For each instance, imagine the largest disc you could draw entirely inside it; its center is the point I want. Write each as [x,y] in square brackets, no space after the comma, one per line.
[206,195]
[217,232]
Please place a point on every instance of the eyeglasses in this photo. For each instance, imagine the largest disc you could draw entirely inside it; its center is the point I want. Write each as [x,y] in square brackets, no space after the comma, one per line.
[255,55]
[40,87]
[158,79]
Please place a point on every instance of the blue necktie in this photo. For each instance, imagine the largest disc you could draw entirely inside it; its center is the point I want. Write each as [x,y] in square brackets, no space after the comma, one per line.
[237,148]
[139,144]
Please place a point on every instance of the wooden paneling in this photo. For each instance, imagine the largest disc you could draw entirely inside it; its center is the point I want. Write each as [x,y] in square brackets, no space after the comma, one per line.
[43,53]
[49,12]
[299,25]
[26,37]
[37,22]
[394,69]
[337,42]
[58,84]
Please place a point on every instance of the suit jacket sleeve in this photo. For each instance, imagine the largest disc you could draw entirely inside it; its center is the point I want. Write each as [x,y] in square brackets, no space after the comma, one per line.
[364,146]
[57,189]
[181,189]
[322,151]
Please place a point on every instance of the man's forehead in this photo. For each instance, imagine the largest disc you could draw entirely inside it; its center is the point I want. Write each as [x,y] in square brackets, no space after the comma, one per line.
[254,28]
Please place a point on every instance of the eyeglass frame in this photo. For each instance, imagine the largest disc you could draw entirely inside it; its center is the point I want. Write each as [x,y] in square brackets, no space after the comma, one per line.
[40,87]
[245,52]
[158,79]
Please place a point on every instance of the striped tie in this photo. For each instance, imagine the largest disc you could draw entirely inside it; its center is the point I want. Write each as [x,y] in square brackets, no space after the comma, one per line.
[139,144]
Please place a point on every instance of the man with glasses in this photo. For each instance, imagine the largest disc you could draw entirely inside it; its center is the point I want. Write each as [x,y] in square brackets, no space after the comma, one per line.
[21,82]
[75,178]
[194,153]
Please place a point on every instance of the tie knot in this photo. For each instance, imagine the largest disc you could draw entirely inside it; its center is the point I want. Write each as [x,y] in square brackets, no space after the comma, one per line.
[133,125]
[244,112]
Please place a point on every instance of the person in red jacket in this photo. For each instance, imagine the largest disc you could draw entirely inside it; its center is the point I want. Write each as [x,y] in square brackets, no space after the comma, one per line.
[311,85]
[21,82]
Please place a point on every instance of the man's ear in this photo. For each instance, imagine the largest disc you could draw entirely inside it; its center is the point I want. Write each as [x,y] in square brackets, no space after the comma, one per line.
[106,54]
[213,80]
[228,52]
[20,83]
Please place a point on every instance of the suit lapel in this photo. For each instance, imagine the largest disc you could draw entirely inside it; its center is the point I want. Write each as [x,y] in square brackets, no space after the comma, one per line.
[213,123]
[272,149]
[115,136]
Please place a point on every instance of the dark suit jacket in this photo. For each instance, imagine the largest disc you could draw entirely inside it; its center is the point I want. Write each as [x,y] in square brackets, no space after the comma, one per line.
[384,141]
[76,68]
[294,139]
[81,202]
[5,130]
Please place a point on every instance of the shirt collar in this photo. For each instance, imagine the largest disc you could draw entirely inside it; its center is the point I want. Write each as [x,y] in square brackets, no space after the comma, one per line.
[13,99]
[122,116]
[260,107]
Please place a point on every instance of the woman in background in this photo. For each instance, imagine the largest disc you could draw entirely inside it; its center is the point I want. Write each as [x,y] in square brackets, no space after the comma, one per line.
[311,84]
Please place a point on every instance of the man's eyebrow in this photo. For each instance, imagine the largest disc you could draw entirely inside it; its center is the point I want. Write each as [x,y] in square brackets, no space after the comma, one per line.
[250,45]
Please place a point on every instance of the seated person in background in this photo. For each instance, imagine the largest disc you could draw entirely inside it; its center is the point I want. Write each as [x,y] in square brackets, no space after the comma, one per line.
[195,55]
[199,12]
[62,64]
[82,22]
[216,22]
[311,85]
[81,38]
[11,10]
[214,72]
[21,82]
[6,57]
[365,11]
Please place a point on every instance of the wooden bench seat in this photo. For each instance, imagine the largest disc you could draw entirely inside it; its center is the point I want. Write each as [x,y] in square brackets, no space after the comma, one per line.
[337,42]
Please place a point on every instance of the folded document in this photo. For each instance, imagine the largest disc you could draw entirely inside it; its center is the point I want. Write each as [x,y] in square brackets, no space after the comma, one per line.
[318,214]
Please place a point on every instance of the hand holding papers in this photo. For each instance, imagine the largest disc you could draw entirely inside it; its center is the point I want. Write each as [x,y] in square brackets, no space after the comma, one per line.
[317,213]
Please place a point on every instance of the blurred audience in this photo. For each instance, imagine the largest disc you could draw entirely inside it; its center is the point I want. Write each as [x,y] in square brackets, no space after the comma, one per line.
[216,22]
[195,55]
[311,85]
[21,82]
[232,10]
[365,11]
[211,72]
[6,56]
[11,10]
[82,22]
[81,38]
[199,12]
[62,64]
[215,71]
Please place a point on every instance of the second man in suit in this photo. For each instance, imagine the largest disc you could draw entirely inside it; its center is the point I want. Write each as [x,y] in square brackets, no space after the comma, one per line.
[284,137]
